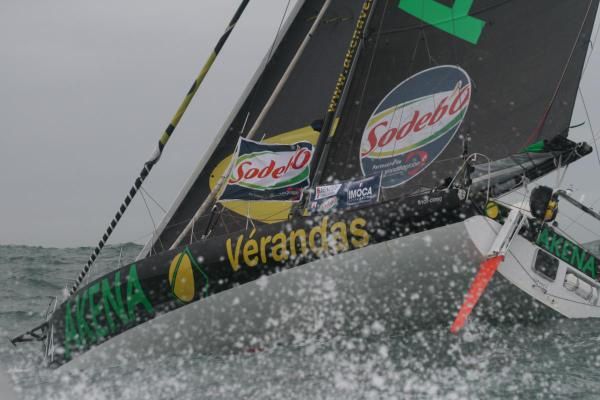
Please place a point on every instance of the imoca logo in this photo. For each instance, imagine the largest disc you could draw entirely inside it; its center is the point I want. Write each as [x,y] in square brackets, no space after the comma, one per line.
[414,123]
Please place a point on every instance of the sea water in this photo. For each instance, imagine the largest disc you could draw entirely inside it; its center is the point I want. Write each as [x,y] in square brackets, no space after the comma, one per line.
[533,355]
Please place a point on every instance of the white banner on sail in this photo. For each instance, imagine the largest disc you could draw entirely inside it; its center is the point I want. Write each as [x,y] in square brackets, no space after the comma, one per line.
[269,171]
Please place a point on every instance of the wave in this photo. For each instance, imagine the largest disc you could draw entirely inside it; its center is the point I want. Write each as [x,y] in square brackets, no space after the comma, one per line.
[125,245]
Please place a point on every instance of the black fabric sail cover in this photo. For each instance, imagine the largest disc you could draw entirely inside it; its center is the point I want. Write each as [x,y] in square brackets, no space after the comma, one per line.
[503,72]
[303,100]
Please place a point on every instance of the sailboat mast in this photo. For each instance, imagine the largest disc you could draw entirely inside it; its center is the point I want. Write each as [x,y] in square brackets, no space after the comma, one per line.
[343,82]
[164,139]
[212,196]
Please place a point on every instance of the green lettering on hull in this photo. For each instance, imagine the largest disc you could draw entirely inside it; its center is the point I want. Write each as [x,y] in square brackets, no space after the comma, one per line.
[568,251]
[102,307]
[113,302]
[136,295]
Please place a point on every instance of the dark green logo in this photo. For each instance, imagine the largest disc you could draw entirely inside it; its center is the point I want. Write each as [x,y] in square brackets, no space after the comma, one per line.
[101,308]
[454,20]
[568,251]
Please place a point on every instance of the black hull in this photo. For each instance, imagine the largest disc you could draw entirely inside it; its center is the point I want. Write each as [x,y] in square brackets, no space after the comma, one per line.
[139,292]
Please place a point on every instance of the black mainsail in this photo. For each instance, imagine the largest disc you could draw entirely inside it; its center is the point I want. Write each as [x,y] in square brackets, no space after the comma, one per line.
[524,59]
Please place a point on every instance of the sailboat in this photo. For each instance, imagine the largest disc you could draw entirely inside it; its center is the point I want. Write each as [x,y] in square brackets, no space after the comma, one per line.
[355,184]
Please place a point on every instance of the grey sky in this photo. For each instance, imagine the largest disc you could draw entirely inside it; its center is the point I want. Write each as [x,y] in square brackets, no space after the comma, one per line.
[88,86]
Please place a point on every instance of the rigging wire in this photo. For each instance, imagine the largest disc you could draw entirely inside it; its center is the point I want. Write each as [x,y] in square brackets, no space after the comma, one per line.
[454,48]
[582,213]
[151,217]
[587,114]
[252,99]
[594,137]
[595,36]
[509,205]
[153,200]
[432,60]
[221,216]
[560,179]
[285,11]
[542,122]
[149,211]
[596,234]
[473,157]
[596,148]
[367,76]
[592,42]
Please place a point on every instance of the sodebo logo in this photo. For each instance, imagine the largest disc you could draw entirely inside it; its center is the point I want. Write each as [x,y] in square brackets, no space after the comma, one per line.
[414,123]
[272,170]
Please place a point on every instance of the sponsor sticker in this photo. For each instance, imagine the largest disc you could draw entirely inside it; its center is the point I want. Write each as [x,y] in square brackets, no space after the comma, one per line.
[322,192]
[325,237]
[269,171]
[325,205]
[414,123]
[364,191]
[346,194]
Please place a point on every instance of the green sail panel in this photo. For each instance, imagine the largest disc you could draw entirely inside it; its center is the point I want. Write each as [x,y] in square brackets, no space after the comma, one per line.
[503,73]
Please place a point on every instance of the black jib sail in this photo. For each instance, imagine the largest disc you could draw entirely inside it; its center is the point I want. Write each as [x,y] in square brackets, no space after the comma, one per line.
[302,100]
[503,74]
